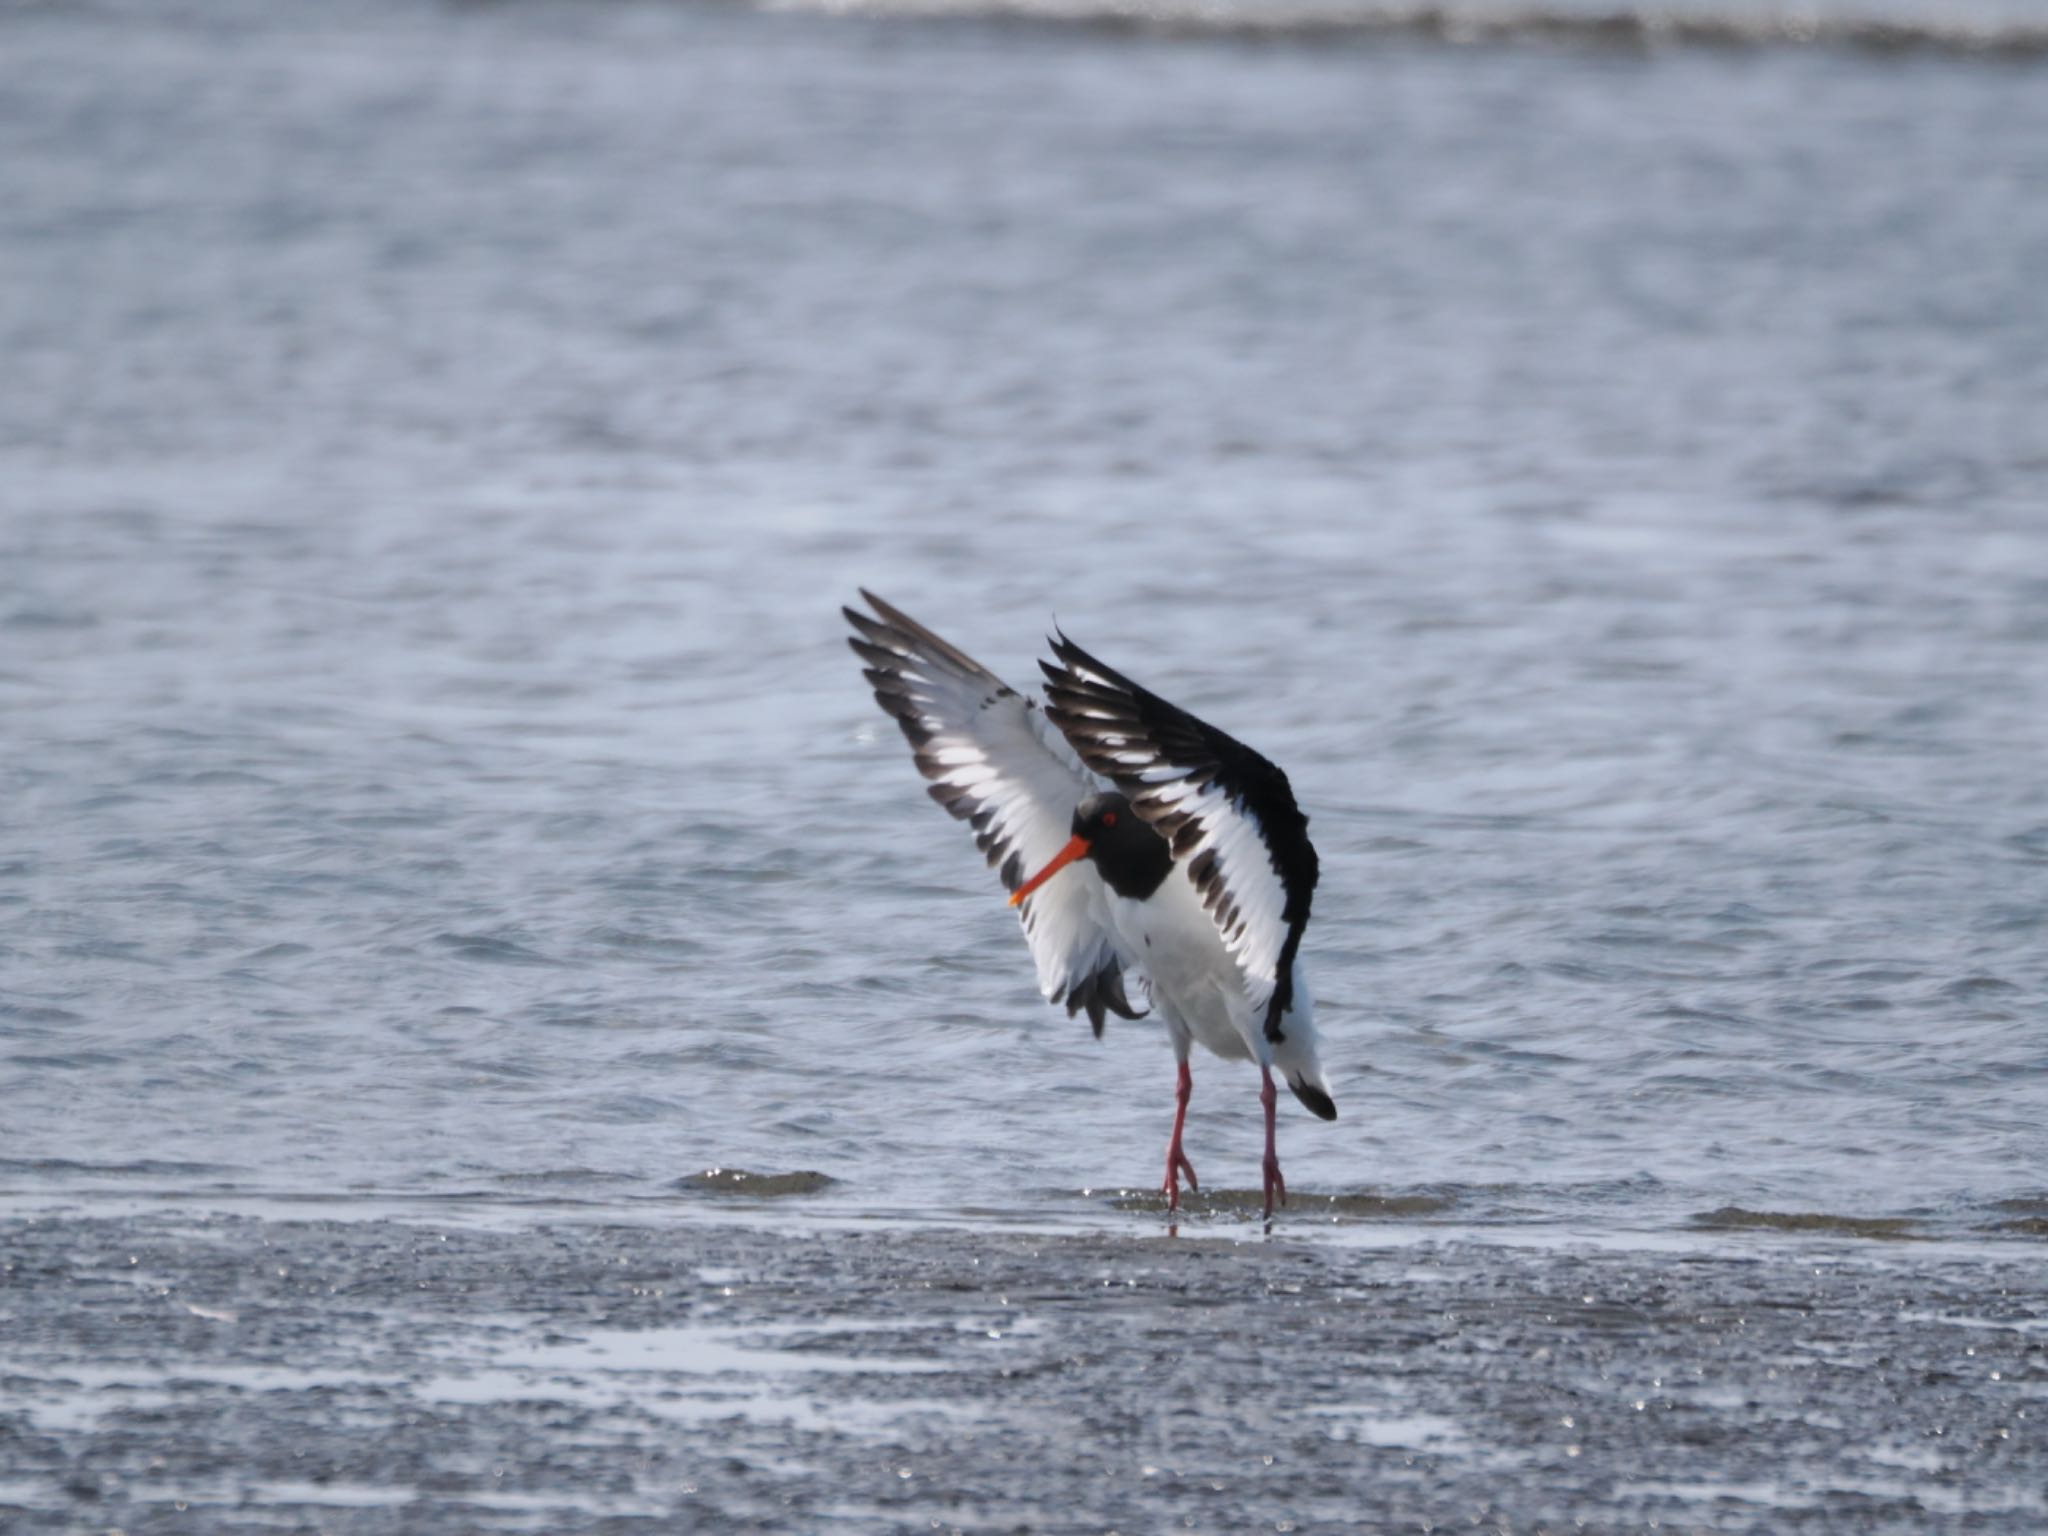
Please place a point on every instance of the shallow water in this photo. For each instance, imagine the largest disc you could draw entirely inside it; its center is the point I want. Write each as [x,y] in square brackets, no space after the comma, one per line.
[437,441]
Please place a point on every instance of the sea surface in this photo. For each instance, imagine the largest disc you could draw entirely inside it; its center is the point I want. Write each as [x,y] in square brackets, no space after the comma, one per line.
[1604,461]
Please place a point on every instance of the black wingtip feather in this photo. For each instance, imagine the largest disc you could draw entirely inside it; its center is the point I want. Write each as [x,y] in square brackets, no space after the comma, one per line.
[1102,994]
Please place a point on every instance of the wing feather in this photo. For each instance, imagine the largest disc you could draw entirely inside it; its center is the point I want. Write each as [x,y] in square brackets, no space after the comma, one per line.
[1228,814]
[996,763]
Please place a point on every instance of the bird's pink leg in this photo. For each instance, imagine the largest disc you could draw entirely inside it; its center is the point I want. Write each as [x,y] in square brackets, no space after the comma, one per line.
[1176,1160]
[1274,1183]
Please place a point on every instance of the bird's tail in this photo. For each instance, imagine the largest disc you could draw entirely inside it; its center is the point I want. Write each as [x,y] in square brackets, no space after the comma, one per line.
[1294,1054]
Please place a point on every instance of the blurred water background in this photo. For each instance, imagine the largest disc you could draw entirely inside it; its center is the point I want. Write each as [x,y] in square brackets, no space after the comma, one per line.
[1603,455]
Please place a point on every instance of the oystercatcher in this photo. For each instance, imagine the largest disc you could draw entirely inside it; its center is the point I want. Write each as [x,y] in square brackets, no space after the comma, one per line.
[1148,853]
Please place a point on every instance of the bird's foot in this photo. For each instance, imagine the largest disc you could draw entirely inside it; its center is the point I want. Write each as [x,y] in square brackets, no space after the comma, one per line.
[1275,1185]
[1176,1164]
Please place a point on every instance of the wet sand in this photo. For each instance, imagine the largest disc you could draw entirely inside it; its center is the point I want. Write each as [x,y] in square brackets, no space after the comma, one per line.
[221,1373]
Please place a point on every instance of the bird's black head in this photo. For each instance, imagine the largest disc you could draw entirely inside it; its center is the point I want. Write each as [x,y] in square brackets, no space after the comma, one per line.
[1131,857]
[1103,816]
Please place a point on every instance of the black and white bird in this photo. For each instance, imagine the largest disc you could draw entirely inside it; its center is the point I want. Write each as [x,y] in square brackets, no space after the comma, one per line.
[1151,856]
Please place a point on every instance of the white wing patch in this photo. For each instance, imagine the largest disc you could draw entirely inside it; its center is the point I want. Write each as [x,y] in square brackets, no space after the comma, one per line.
[1234,873]
[996,763]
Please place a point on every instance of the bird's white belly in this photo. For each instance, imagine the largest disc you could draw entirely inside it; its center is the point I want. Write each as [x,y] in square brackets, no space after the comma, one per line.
[1196,984]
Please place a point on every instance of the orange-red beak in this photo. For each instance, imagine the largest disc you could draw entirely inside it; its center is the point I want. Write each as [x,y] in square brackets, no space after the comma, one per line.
[1077,848]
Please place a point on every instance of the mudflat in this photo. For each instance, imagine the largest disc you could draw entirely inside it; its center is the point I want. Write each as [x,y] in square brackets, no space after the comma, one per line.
[230,1373]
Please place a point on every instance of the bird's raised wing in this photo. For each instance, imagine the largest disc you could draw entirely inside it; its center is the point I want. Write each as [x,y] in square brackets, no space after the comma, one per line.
[1228,814]
[995,763]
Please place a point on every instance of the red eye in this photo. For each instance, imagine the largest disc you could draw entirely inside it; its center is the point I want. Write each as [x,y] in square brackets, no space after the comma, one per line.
[1109,818]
